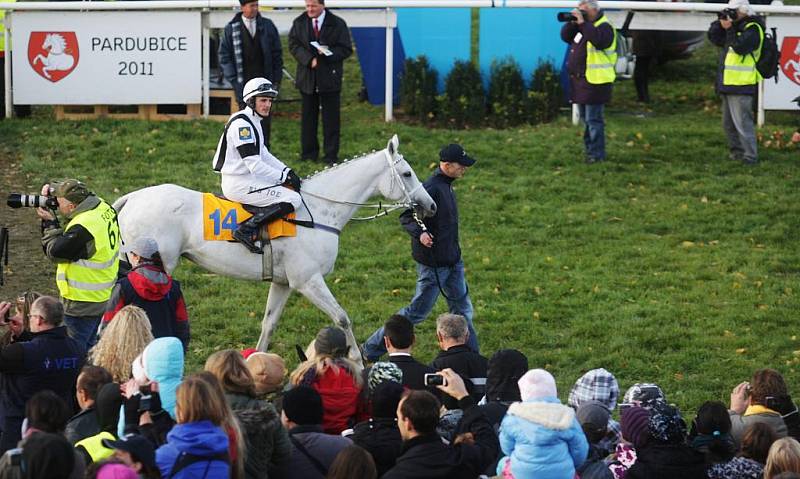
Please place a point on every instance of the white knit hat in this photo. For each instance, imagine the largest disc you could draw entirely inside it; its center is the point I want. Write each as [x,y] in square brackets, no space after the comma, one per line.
[537,384]
[741,6]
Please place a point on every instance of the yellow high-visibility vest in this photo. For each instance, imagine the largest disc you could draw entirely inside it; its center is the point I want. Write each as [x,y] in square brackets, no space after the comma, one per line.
[94,446]
[3,27]
[91,280]
[741,69]
[600,64]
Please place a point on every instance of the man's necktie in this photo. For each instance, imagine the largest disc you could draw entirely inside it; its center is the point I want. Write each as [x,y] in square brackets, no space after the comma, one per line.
[316,29]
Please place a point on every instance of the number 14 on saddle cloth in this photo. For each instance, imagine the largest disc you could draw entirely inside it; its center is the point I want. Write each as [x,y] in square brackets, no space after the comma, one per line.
[221,217]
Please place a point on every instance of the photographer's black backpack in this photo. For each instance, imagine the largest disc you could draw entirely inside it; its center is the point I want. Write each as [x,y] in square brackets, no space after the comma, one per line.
[767,64]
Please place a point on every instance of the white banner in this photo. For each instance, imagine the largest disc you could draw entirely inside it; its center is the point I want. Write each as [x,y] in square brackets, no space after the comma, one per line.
[115,58]
[779,96]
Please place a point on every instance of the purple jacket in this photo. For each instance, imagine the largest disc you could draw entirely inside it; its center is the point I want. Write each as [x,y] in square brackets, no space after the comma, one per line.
[583,92]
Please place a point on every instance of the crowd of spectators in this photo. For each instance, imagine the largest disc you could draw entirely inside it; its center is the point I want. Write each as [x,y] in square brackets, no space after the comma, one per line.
[127,409]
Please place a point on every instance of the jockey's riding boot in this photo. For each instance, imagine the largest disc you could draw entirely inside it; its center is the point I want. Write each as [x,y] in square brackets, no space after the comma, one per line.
[248,229]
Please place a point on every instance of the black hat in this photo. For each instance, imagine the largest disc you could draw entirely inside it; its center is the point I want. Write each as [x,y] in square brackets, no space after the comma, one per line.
[245,2]
[331,341]
[454,153]
[303,405]
[140,449]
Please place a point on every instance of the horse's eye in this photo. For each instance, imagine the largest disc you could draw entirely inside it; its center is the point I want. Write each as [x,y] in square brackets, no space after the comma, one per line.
[407,174]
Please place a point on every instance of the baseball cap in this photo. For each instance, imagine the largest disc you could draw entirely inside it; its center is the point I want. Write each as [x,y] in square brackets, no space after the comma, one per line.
[140,448]
[454,153]
[143,246]
[71,189]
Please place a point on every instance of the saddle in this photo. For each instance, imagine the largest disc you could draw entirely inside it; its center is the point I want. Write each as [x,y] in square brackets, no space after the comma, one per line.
[221,217]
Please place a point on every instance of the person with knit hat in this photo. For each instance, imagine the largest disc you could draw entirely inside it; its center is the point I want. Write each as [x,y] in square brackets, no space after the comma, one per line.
[336,378]
[593,417]
[664,453]
[313,451]
[85,252]
[383,371]
[601,386]
[540,437]
[633,428]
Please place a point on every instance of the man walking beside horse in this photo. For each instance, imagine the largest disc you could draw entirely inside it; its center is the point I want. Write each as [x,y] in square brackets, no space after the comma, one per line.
[435,248]
[250,173]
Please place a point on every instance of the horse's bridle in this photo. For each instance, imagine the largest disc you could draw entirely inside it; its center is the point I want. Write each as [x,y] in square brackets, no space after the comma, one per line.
[383,209]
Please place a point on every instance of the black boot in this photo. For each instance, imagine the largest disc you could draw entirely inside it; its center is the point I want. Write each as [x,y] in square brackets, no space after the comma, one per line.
[248,229]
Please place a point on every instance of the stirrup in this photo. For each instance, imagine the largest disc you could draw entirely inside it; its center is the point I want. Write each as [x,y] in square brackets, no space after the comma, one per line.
[247,241]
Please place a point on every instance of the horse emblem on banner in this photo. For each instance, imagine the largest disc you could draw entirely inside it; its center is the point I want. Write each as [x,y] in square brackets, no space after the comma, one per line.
[790,58]
[53,55]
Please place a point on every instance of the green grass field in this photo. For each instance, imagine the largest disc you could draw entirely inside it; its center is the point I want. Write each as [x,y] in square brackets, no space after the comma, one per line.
[668,263]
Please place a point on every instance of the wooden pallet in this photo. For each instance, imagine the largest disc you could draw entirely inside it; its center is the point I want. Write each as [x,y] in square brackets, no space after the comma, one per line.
[222,105]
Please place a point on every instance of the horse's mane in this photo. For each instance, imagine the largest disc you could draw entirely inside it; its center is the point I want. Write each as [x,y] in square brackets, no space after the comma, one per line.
[58,39]
[339,166]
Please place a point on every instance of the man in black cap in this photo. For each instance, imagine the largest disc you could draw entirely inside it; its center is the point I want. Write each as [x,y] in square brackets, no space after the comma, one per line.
[136,452]
[250,48]
[436,250]
[85,252]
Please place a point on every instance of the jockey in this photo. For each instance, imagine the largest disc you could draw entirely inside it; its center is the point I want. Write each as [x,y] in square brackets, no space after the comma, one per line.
[250,173]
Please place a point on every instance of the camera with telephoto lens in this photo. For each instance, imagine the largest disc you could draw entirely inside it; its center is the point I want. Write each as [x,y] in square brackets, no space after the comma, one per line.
[568,17]
[17,200]
[728,14]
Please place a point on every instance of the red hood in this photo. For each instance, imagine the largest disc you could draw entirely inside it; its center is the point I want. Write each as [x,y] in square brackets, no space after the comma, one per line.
[150,282]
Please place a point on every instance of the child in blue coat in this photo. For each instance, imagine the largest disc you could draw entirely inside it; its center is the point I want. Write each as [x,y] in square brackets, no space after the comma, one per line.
[540,437]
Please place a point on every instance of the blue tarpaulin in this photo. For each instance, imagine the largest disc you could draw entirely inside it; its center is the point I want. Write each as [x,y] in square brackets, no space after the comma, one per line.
[371,49]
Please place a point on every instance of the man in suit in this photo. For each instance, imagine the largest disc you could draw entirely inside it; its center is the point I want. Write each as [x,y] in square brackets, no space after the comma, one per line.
[399,338]
[319,76]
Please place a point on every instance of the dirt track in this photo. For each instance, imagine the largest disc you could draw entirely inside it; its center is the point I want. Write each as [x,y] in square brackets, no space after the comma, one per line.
[28,268]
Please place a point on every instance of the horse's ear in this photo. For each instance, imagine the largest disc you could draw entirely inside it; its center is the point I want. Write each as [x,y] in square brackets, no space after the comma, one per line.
[393,144]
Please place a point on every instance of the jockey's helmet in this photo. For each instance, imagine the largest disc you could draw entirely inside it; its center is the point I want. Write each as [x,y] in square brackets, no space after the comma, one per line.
[258,87]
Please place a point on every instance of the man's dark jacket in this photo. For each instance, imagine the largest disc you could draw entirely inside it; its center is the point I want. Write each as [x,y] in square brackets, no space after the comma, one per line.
[745,44]
[50,360]
[268,39]
[660,461]
[443,226]
[581,91]
[413,371]
[468,364]
[327,77]
[380,436]
[428,457]
[82,425]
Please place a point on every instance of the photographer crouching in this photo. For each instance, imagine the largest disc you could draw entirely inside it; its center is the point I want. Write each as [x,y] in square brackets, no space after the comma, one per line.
[85,252]
[740,33]
[591,66]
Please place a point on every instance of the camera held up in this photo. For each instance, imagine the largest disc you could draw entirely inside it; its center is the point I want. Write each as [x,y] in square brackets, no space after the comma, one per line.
[568,17]
[17,200]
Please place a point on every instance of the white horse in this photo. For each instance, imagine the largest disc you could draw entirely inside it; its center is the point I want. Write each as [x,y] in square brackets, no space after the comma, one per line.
[172,215]
[56,59]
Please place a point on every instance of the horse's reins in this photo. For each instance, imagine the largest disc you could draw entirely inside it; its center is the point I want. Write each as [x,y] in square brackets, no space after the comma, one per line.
[383,209]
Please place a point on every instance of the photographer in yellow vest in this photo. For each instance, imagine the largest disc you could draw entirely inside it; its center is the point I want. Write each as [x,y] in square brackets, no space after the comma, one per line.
[592,56]
[85,252]
[740,33]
